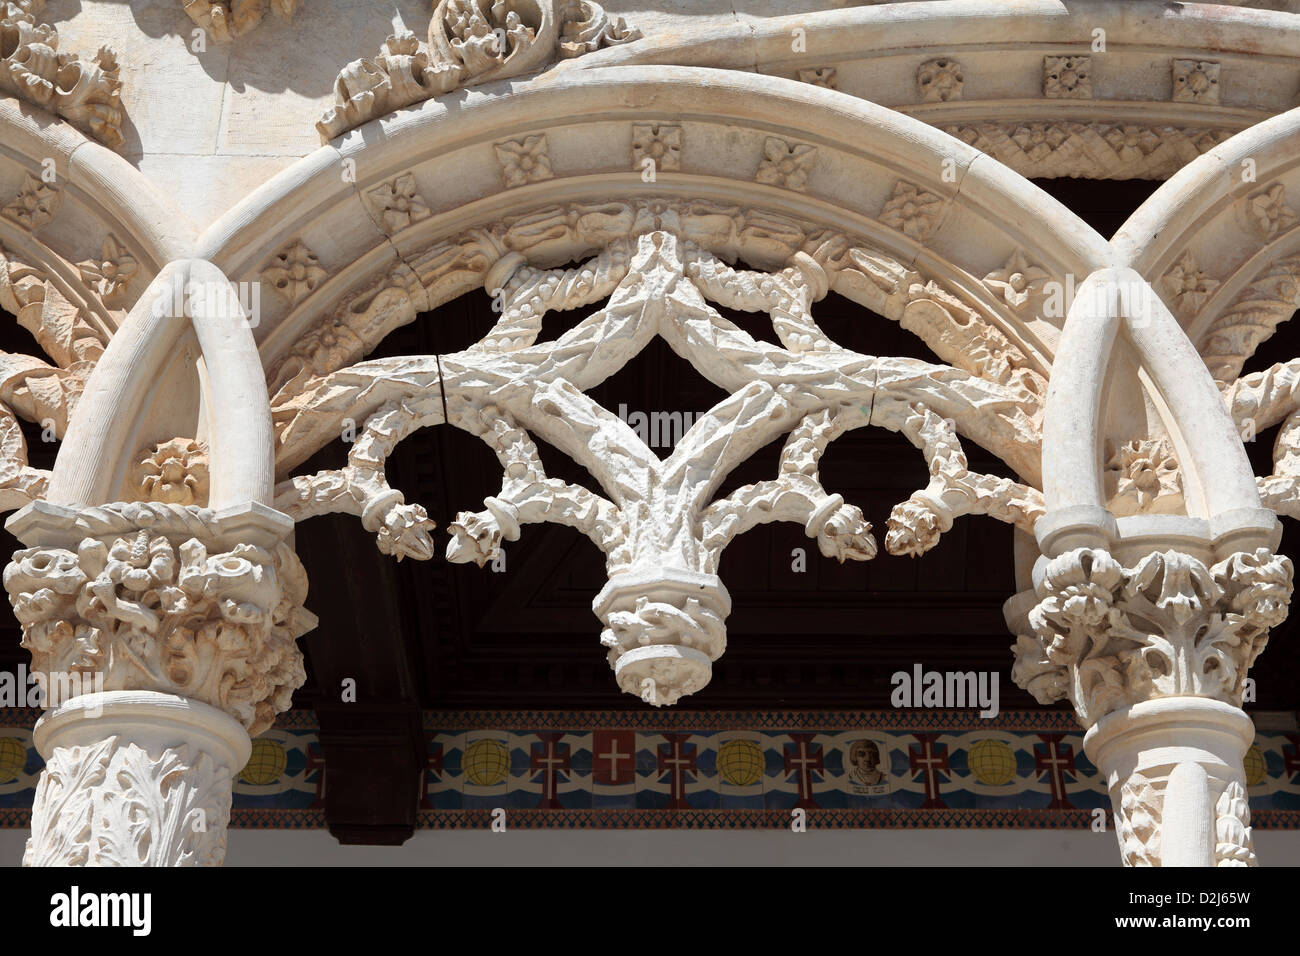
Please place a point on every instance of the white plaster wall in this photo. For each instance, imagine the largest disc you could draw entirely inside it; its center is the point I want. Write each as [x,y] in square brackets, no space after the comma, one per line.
[672,848]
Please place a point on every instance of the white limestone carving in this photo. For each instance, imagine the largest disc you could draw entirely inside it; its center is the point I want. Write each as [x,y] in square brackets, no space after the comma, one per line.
[227,19]
[1018,282]
[662,536]
[1143,477]
[398,203]
[32,388]
[940,80]
[524,160]
[295,272]
[470,42]
[173,472]
[1108,636]
[35,204]
[1250,318]
[113,803]
[659,142]
[787,165]
[1187,285]
[87,94]
[1195,81]
[1094,150]
[1067,77]
[912,211]
[111,272]
[146,614]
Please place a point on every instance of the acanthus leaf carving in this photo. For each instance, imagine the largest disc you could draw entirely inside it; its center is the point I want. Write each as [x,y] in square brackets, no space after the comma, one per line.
[470,42]
[87,94]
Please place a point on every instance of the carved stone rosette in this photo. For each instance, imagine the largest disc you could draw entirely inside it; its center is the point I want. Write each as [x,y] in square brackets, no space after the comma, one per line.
[184,622]
[1154,659]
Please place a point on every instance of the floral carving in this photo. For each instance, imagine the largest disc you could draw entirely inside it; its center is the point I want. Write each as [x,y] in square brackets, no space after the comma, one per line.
[399,202]
[1195,81]
[111,272]
[296,273]
[660,143]
[912,211]
[1268,213]
[1067,77]
[227,19]
[1188,286]
[940,80]
[1143,475]
[174,472]
[1018,282]
[470,42]
[786,165]
[35,204]
[524,161]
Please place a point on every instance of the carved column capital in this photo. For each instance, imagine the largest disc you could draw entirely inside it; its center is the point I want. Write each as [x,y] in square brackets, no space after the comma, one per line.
[156,597]
[1107,636]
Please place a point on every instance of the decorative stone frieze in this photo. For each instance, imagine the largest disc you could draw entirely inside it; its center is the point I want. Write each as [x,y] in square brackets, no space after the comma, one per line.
[1092,150]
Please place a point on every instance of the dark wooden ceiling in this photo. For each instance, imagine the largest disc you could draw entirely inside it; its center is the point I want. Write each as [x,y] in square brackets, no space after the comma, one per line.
[432,635]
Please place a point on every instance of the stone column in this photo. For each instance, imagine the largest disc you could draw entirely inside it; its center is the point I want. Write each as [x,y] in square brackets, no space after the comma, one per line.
[1154,658]
[165,637]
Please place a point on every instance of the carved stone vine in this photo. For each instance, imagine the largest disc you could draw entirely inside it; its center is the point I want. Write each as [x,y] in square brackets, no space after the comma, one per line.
[1107,636]
[88,94]
[470,42]
[114,803]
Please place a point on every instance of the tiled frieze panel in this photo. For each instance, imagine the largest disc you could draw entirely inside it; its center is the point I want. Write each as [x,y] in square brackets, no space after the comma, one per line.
[717,770]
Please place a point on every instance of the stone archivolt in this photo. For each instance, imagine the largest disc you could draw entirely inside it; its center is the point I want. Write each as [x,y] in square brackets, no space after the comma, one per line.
[86,94]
